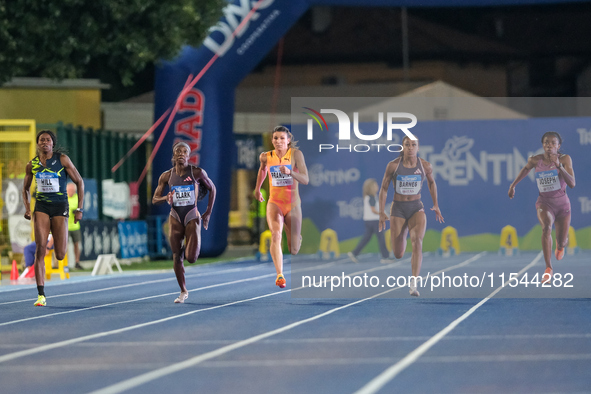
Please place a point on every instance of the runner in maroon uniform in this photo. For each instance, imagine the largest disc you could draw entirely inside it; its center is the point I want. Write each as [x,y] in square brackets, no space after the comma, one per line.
[554,171]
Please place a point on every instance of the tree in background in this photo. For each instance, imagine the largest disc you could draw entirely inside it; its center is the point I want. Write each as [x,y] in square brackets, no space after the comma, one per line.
[65,38]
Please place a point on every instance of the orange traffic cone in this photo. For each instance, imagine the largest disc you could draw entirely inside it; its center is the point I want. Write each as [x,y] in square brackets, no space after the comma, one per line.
[14,272]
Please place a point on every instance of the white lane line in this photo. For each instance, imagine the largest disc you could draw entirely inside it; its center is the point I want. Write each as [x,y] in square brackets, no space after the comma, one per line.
[390,373]
[250,268]
[28,352]
[158,373]
[300,341]
[306,362]
[149,297]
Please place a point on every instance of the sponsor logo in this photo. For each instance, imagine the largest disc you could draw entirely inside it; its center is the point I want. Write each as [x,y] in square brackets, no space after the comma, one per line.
[319,176]
[188,129]
[585,204]
[584,136]
[458,165]
[221,36]
[352,208]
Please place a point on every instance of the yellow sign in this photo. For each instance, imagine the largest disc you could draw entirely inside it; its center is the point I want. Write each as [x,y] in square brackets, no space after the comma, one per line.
[509,241]
[264,253]
[572,247]
[329,244]
[450,244]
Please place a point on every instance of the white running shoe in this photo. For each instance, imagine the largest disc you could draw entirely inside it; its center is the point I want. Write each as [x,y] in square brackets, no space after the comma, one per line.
[413,288]
[182,297]
[387,261]
[353,257]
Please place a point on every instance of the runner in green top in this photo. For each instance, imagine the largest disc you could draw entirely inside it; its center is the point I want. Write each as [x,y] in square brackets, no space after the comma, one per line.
[50,168]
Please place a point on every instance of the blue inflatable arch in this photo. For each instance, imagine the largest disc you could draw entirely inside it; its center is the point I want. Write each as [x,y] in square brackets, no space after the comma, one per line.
[205,118]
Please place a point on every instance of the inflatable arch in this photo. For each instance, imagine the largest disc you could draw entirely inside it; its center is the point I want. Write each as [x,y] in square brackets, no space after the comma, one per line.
[205,117]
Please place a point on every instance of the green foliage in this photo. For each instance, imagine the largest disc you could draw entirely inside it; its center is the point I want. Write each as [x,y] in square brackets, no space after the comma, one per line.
[59,38]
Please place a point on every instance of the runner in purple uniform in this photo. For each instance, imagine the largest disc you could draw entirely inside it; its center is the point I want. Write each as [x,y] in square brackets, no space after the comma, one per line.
[553,172]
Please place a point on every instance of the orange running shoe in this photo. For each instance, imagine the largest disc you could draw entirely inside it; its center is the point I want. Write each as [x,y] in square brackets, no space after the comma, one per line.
[547,277]
[280,281]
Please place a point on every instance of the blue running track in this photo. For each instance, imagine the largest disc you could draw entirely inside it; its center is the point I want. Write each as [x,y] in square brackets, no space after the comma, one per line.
[239,333]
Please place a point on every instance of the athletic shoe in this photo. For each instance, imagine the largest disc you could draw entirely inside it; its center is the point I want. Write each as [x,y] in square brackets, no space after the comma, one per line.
[387,261]
[547,278]
[559,253]
[40,301]
[280,281]
[182,297]
[353,257]
[413,289]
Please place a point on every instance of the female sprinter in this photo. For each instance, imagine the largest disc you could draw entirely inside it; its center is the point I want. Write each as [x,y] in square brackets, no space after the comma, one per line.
[286,167]
[187,184]
[408,172]
[553,171]
[51,206]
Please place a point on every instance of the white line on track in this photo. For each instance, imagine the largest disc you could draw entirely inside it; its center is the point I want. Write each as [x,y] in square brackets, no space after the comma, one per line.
[150,297]
[250,268]
[299,341]
[158,373]
[15,355]
[390,373]
[306,362]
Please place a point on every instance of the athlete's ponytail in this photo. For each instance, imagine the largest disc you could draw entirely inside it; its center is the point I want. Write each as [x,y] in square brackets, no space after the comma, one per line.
[292,143]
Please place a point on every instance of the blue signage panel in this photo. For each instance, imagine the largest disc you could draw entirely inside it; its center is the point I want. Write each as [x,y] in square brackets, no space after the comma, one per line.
[133,236]
[98,238]
[474,162]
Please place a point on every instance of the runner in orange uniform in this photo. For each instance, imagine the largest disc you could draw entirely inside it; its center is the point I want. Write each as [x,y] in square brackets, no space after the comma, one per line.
[286,168]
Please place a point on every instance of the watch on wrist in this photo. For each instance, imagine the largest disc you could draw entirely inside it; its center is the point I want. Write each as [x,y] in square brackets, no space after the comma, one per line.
[79,210]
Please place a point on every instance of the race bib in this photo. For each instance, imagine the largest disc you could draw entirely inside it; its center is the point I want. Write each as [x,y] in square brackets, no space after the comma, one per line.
[280,179]
[183,195]
[408,184]
[47,182]
[547,181]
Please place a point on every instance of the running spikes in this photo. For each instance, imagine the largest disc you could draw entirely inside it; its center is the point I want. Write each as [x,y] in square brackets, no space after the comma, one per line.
[41,301]
[353,257]
[280,281]
[182,297]
[547,276]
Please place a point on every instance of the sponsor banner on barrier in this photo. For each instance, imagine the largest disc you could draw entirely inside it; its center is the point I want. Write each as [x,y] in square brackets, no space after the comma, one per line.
[19,232]
[116,199]
[134,239]
[91,204]
[12,197]
[98,237]
[473,162]
[248,149]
